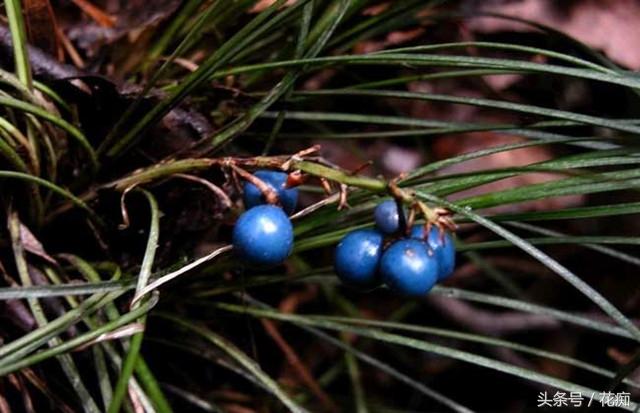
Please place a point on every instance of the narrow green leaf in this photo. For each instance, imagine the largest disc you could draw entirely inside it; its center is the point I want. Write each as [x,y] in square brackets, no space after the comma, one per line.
[57,121]
[519,305]
[260,25]
[549,262]
[63,290]
[428,60]
[66,361]
[19,41]
[240,358]
[18,348]
[505,46]
[131,359]
[424,346]
[49,185]
[9,366]
[481,102]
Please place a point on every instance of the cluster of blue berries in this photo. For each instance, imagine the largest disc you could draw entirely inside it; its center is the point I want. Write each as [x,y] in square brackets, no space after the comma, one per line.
[263,235]
[411,265]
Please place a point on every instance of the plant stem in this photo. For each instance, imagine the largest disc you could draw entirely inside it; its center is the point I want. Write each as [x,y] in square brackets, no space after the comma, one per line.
[19,39]
[131,359]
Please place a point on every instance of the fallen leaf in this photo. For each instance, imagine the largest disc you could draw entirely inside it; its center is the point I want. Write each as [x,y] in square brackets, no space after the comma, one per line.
[130,16]
[33,245]
[376,9]
[264,4]
[41,26]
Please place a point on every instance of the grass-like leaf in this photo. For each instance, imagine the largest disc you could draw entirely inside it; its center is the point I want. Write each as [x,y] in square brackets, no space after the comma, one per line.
[377,334]
[241,358]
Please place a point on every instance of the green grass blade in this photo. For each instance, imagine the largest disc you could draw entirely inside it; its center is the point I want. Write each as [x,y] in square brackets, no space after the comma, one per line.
[56,120]
[241,358]
[55,188]
[305,24]
[143,372]
[120,390]
[424,346]
[549,262]
[593,183]
[506,46]
[19,40]
[7,367]
[480,102]
[64,290]
[395,373]
[284,86]
[372,361]
[428,60]
[519,305]
[587,241]
[16,349]
[489,341]
[260,25]
[572,213]
[66,362]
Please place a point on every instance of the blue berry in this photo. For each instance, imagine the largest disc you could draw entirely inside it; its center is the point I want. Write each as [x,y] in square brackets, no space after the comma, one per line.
[277,180]
[407,267]
[443,249]
[387,217]
[263,235]
[357,257]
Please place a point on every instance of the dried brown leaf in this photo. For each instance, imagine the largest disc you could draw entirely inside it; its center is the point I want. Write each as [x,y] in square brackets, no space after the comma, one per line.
[33,245]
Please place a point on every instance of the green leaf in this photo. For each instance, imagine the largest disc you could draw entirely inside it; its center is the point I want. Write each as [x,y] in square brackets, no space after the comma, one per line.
[241,358]
[56,120]
[19,41]
[391,58]
[66,361]
[519,305]
[480,102]
[549,262]
[9,365]
[259,26]
[423,346]
[131,359]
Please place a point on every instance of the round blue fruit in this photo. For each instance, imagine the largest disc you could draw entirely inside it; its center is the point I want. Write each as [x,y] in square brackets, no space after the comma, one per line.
[407,268]
[278,181]
[442,247]
[263,236]
[386,217]
[357,257]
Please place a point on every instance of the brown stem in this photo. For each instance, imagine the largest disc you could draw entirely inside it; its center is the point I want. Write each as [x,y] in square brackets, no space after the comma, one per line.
[410,220]
[300,368]
[267,190]
[296,178]
[315,166]
[326,186]
[217,191]
[102,18]
[342,203]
